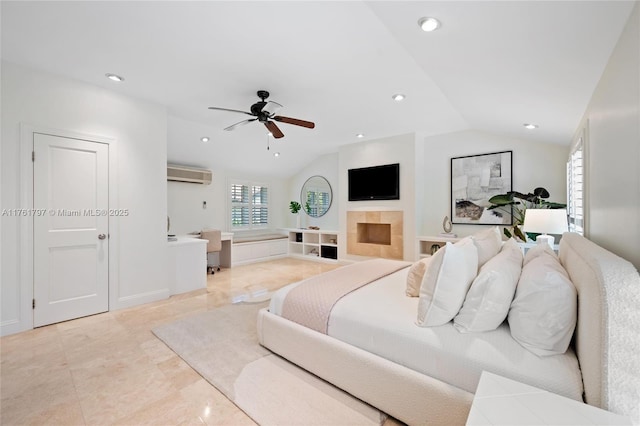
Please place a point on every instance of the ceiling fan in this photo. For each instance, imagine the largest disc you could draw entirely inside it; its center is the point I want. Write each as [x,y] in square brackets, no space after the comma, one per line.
[265,113]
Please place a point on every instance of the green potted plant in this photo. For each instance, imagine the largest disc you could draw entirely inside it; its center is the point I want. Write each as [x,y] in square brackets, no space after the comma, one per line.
[516,204]
[295,207]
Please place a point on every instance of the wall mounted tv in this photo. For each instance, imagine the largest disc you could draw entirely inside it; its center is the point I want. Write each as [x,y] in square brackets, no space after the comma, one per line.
[375,183]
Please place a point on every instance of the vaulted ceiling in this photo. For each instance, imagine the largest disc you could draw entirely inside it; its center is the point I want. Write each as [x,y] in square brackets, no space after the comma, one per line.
[491,66]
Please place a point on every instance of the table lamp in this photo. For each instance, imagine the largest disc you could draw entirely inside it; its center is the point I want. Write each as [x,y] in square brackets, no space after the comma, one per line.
[545,221]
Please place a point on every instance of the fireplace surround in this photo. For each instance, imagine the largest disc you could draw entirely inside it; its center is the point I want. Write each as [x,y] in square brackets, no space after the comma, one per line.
[375,234]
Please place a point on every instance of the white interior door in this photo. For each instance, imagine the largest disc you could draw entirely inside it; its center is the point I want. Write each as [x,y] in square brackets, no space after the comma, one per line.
[70,227]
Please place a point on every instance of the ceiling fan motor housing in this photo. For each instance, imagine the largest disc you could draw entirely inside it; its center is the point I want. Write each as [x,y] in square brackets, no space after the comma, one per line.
[256,109]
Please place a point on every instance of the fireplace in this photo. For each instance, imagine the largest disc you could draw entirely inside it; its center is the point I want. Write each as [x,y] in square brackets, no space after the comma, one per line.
[375,234]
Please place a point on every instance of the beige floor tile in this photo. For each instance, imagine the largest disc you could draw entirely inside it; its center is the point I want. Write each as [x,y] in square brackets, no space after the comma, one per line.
[172,409]
[193,421]
[26,398]
[33,345]
[178,372]
[112,367]
[66,413]
[124,395]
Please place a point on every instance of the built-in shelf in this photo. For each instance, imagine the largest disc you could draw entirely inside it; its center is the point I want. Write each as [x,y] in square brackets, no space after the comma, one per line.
[313,244]
[429,244]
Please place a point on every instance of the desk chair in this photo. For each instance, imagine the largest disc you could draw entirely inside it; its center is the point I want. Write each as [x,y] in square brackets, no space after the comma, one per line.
[214,246]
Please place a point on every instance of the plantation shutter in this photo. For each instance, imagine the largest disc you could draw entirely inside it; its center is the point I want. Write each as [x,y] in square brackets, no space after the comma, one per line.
[239,205]
[249,206]
[260,209]
[575,188]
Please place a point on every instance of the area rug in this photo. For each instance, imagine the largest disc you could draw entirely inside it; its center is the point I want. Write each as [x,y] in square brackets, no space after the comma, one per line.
[222,346]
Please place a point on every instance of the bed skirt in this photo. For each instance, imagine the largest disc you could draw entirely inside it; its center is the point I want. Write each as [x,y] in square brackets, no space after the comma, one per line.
[407,395]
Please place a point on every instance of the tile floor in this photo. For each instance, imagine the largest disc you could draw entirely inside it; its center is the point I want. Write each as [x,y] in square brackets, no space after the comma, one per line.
[110,369]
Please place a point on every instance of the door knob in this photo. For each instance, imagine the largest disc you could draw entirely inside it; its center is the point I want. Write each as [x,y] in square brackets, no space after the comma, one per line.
[101,236]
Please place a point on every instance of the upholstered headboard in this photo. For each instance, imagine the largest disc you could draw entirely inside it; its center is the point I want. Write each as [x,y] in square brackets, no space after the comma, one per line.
[607,336]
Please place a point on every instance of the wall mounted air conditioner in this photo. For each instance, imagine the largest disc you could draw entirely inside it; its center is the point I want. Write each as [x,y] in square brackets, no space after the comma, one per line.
[178,173]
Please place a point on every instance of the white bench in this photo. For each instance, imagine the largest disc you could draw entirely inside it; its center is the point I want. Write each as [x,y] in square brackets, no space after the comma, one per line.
[258,248]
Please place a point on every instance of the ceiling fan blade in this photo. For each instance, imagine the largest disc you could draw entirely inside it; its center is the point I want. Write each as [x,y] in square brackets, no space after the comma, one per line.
[275,131]
[240,123]
[288,120]
[231,110]
[271,108]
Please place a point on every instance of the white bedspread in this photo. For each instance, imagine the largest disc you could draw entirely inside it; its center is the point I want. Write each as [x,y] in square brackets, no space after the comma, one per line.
[379,318]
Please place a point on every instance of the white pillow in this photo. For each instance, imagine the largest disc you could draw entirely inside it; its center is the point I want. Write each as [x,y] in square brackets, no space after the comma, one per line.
[544,312]
[488,243]
[446,282]
[538,250]
[489,298]
[414,278]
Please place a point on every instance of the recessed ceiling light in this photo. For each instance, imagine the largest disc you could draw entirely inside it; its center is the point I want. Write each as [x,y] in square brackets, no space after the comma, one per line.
[398,97]
[360,136]
[276,154]
[114,77]
[204,139]
[429,24]
[530,126]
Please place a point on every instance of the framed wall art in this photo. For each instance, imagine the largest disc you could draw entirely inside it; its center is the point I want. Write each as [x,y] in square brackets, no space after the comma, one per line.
[475,179]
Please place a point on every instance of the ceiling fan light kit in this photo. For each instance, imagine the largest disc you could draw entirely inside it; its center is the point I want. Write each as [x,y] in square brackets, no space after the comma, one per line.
[265,112]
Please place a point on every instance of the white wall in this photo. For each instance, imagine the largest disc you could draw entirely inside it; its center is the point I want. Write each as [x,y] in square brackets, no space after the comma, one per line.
[397,149]
[534,165]
[139,130]
[327,167]
[184,202]
[184,206]
[613,150]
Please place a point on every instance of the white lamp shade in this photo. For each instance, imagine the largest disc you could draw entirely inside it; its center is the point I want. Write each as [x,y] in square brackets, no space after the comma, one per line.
[545,221]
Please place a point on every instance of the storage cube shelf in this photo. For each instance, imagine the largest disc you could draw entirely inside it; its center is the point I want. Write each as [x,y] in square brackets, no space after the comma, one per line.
[426,244]
[315,244]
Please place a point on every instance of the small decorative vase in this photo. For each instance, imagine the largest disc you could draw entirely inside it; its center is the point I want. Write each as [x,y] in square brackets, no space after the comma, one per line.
[446,225]
[298,220]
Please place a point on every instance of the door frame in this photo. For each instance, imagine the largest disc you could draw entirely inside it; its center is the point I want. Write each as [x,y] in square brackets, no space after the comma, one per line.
[26,226]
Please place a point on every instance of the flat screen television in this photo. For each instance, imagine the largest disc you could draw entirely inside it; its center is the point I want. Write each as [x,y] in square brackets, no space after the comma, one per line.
[375,183]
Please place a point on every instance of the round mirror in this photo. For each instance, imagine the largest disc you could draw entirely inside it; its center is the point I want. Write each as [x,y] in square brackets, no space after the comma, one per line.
[316,196]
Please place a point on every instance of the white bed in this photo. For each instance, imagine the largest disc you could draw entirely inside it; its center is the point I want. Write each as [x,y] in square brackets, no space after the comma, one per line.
[380,319]
[422,375]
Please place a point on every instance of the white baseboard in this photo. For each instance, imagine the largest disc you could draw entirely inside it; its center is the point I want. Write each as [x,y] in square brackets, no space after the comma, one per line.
[11,327]
[139,299]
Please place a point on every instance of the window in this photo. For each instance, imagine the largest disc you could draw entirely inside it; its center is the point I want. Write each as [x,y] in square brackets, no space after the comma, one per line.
[575,188]
[249,206]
